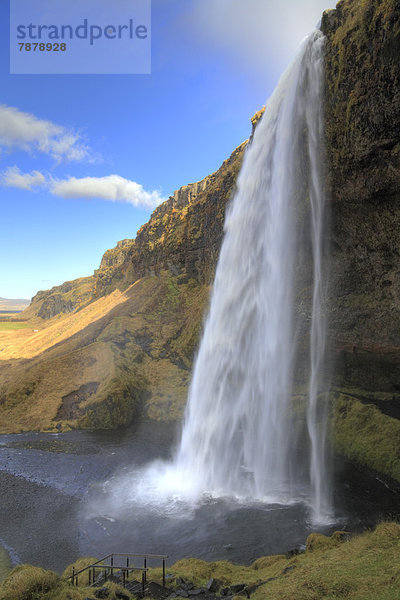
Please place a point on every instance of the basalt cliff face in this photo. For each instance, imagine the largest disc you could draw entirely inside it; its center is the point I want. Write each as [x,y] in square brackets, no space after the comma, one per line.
[363,143]
[123,340]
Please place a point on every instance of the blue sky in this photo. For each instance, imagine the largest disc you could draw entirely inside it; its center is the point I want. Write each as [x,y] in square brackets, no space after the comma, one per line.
[85,158]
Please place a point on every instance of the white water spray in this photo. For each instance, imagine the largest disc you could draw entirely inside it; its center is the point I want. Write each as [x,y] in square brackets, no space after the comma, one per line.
[249,433]
[239,437]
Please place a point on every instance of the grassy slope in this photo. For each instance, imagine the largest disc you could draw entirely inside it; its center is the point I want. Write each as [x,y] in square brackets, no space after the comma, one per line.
[122,340]
[365,567]
[137,345]
[9,325]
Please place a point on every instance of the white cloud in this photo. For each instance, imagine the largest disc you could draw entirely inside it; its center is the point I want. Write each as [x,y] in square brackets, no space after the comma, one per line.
[12,177]
[111,187]
[26,132]
[258,32]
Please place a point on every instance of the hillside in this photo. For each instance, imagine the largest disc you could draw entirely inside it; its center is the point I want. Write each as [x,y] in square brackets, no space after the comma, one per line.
[102,348]
[7,304]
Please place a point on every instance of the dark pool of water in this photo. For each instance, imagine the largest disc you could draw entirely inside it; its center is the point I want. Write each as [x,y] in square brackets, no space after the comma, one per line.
[56,508]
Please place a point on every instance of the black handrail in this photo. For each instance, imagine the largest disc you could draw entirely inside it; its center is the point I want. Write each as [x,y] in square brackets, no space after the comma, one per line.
[110,568]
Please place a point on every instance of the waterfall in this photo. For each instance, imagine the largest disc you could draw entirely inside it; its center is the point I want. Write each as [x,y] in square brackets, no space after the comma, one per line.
[243,433]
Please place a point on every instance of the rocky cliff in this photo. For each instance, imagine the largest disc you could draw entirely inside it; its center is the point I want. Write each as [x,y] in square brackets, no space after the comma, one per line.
[363,143]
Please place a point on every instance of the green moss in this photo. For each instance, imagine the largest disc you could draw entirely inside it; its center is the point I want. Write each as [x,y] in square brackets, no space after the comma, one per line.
[26,582]
[33,583]
[365,435]
[318,541]
[78,565]
[358,568]
[118,403]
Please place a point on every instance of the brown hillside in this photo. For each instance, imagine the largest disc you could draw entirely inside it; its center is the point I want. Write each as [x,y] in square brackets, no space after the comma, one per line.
[100,349]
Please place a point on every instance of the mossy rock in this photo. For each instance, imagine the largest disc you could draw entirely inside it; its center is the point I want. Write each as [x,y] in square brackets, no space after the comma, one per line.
[386,533]
[26,582]
[365,435]
[266,561]
[318,541]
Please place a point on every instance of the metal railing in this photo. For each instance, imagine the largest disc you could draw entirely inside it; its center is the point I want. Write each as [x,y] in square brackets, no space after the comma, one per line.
[107,566]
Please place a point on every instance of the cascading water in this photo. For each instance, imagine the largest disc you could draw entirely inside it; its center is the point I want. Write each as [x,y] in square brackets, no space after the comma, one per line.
[255,423]
[242,432]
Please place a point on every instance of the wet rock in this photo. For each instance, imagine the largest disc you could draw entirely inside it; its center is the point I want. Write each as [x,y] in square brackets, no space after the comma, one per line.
[102,593]
[329,20]
[157,591]
[122,595]
[213,585]
[237,588]
[225,591]
[288,569]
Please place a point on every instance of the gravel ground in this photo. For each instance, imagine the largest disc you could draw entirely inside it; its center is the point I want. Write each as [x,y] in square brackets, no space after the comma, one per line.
[38,524]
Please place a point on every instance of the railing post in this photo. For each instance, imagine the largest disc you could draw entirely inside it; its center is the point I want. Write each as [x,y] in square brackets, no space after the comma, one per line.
[143,580]
[112,564]
[163,572]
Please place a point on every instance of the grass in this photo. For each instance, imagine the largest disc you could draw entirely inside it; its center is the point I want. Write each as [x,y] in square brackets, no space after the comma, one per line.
[58,329]
[365,567]
[137,345]
[367,436]
[12,325]
[26,582]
